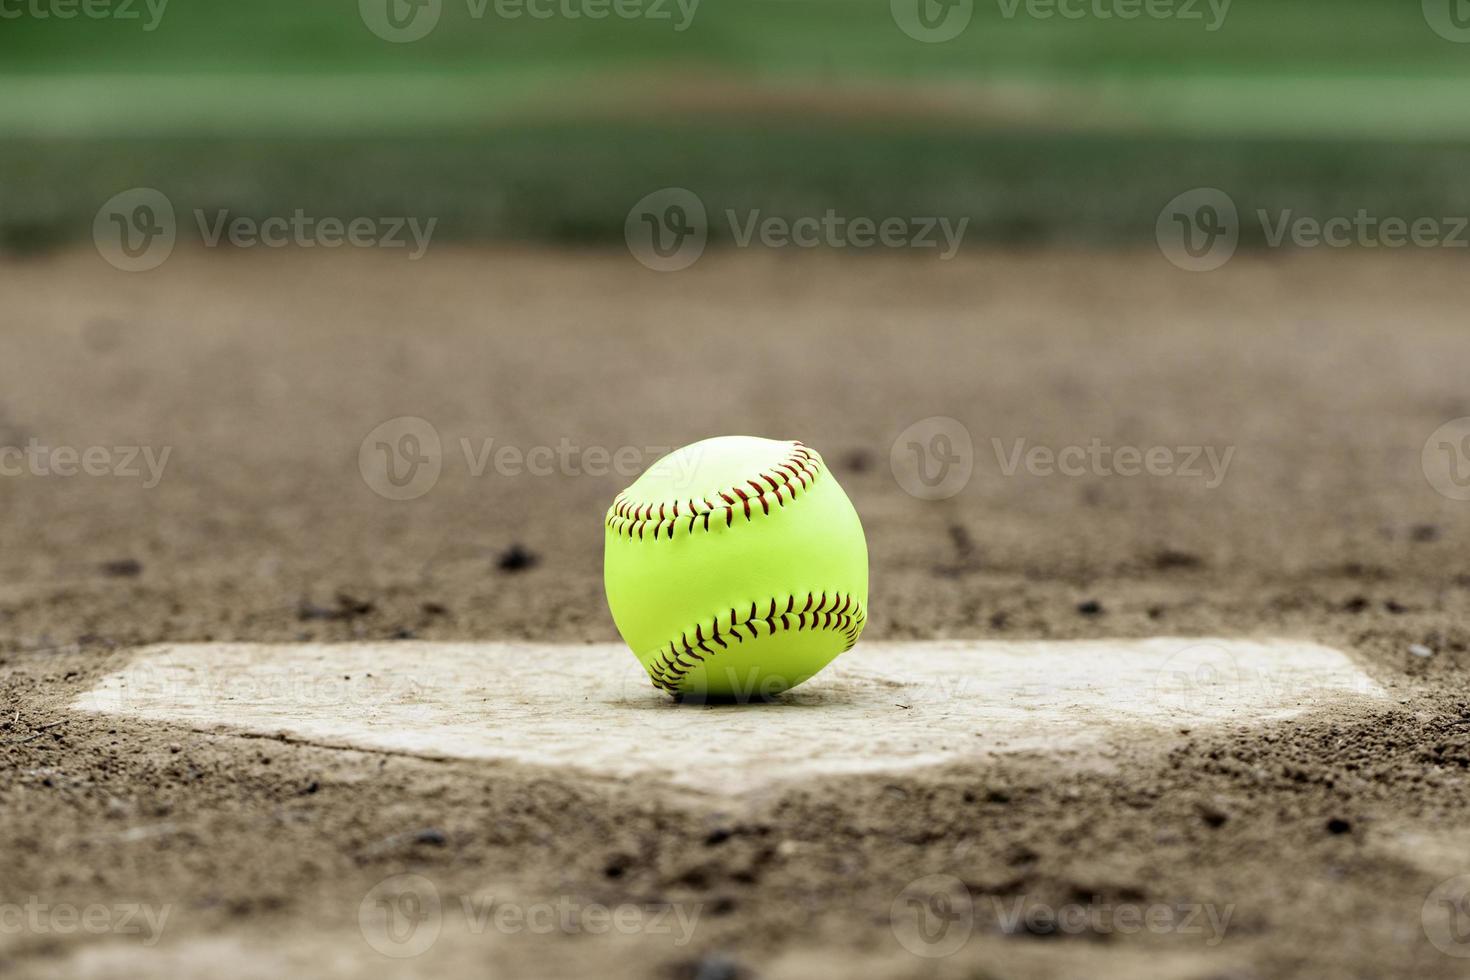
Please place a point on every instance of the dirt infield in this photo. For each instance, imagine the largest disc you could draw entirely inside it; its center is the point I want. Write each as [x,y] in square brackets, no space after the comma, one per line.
[238,424]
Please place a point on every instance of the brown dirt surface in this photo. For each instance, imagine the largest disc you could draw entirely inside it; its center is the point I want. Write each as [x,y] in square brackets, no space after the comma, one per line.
[263,372]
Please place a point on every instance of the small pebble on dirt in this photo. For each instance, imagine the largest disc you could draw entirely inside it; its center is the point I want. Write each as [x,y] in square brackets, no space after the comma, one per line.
[1424,532]
[122,568]
[516,558]
[717,967]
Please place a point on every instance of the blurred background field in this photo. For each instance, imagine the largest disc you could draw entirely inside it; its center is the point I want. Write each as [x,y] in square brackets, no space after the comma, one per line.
[1038,129]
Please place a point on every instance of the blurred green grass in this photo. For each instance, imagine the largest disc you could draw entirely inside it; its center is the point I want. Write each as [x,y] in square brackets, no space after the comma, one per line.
[777,37]
[557,182]
[549,130]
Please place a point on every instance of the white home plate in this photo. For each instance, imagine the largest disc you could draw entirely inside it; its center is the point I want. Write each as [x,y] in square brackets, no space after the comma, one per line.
[880,707]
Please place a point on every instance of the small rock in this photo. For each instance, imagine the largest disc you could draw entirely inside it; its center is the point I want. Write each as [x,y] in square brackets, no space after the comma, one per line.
[1423,533]
[1337,825]
[1213,816]
[1420,650]
[430,836]
[347,608]
[717,967]
[1173,558]
[516,558]
[1090,608]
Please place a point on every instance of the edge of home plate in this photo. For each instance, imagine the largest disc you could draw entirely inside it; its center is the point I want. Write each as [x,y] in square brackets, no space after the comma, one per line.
[882,707]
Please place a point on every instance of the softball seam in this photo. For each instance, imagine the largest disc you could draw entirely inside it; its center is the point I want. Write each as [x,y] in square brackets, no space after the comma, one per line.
[786,479]
[670,666]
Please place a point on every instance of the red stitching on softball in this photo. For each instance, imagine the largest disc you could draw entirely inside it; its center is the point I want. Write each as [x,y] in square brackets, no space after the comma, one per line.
[797,472]
[669,668]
